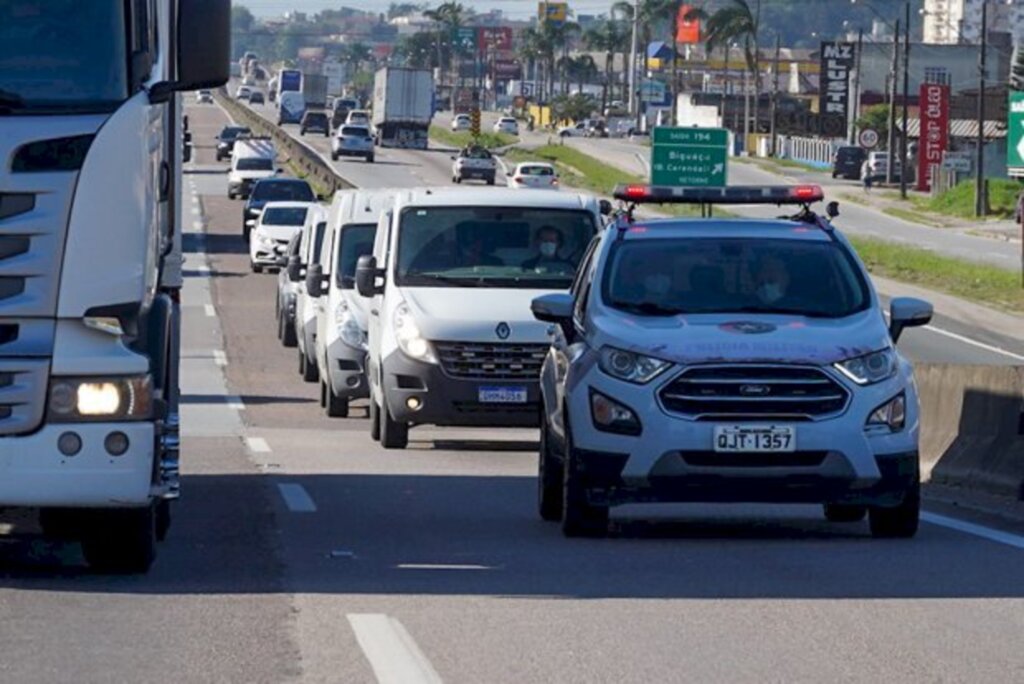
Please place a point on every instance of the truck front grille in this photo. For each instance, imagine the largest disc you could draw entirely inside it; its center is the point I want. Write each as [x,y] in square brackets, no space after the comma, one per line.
[747,392]
[22,394]
[485,361]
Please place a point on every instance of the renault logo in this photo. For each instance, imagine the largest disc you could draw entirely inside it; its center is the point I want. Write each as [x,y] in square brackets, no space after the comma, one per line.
[503,331]
[755,390]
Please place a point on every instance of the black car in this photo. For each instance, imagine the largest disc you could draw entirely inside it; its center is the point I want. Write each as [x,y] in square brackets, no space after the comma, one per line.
[226,140]
[847,161]
[256,98]
[274,190]
[315,122]
[340,109]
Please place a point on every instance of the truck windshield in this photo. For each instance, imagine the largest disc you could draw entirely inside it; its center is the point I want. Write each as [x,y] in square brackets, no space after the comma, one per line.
[356,241]
[508,247]
[667,277]
[61,55]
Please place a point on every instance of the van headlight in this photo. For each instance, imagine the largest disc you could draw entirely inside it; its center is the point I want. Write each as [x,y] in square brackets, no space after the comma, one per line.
[869,368]
[349,330]
[81,400]
[409,338]
[630,366]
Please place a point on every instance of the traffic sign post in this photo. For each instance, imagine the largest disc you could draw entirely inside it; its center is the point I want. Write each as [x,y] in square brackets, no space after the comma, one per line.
[868,138]
[474,122]
[692,157]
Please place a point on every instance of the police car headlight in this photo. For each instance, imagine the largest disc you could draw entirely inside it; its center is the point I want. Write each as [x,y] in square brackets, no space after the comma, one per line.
[409,338]
[870,368]
[77,400]
[630,366]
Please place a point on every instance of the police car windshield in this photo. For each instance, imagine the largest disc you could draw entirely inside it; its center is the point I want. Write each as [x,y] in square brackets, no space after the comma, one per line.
[512,247]
[662,277]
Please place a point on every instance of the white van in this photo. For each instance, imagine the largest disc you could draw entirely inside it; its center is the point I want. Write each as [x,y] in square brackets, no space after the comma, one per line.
[305,307]
[252,159]
[291,106]
[452,340]
[341,339]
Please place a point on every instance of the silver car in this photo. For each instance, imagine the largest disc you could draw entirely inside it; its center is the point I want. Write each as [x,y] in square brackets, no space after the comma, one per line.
[352,141]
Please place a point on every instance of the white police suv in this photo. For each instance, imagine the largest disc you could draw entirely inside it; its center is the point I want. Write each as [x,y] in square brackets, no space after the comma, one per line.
[727,360]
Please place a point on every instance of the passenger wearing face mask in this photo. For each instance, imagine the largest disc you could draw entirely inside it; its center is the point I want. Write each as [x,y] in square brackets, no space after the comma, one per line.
[771,281]
[549,242]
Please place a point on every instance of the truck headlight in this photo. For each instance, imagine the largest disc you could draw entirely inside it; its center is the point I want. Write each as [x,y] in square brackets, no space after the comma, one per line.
[869,368]
[891,414]
[80,400]
[409,338]
[630,366]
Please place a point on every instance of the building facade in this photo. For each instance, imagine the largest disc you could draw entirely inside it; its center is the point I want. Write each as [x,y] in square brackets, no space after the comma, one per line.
[958,22]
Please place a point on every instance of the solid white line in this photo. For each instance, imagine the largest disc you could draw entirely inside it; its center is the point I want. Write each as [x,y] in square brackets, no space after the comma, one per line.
[219,357]
[980,345]
[257,445]
[196,211]
[976,530]
[235,402]
[393,655]
[210,311]
[296,498]
[441,566]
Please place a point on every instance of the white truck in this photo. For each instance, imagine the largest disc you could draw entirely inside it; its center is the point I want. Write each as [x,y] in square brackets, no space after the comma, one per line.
[314,90]
[90,262]
[403,105]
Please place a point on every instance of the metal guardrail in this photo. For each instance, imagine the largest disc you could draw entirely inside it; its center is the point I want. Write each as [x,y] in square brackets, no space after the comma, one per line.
[305,158]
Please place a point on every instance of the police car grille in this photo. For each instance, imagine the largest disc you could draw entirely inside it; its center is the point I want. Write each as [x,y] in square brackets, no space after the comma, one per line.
[754,393]
[499,361]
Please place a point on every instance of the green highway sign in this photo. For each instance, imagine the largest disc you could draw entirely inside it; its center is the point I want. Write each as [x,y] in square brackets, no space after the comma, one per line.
[1015,133]
[693,157]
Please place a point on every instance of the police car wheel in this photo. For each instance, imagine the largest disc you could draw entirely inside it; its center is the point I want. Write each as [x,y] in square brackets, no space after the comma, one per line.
[579,517]
[549,478]
[897,522]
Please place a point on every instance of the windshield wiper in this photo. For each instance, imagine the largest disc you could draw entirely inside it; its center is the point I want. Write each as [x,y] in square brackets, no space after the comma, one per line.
[647,308]
[475,281]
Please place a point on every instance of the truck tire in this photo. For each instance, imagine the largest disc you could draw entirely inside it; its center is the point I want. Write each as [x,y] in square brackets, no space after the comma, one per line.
[393,434]
[579,517]
[163,520]
[121,541]
[490,181]
[549,478]
[897,522]
[840,513]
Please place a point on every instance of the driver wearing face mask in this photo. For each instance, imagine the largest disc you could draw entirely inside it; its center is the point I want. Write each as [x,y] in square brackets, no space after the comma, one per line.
[771,281]
[549,242]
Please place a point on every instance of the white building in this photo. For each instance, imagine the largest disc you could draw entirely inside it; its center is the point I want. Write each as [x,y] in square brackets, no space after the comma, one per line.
[952,22]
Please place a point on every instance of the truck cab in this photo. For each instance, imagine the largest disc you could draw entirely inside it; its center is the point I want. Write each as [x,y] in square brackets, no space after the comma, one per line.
[90,261]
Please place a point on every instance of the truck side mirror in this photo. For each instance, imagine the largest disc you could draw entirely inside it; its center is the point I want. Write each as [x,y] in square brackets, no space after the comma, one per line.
[366,276]
[907,312]
[315,280]
[204,44]
[294,269]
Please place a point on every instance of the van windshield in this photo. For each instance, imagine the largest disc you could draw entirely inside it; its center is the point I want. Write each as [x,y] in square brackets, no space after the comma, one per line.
[356,241]
[60,55]
[507,247]
[255,164]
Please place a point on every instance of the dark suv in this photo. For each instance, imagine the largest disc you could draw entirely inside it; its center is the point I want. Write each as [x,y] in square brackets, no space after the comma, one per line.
[847,160]
[226,140]
[316,122]
[273,190]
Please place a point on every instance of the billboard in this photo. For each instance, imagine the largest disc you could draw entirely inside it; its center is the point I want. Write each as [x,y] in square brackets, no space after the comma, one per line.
[492,38]
[507,69]
[837,62]
[555,12]
[934,131]
[687,30]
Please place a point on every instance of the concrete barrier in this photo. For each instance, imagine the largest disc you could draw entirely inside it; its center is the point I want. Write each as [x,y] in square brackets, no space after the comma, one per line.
[972,427]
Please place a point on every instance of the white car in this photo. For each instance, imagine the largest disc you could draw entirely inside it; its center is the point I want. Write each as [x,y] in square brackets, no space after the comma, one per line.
[575,131]
[204,97]
[243,93]
[358,117]
[533,175]
[507,125]
[311,242]
[452,275]
[275,226]
[461,122]
[251,160]
[352,140]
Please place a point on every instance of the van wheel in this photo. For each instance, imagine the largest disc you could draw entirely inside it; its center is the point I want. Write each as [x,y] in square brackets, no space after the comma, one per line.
[897,522]
[307,370]
[374,420]
[549,478]
[121,541]
[256,268]
[231,195]
[288,337]
[334,157]
[579,517]
[393,434]
[334,406]
[840,513]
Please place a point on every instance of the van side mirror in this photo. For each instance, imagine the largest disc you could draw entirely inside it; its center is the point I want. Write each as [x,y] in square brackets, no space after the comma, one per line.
[315,280]
[367,274]
[294,269]
[907,312]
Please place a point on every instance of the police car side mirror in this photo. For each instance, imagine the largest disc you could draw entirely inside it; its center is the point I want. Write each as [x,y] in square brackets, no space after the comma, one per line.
[832,209]
[907,312]
[366,276]
[553,308]
[606,206]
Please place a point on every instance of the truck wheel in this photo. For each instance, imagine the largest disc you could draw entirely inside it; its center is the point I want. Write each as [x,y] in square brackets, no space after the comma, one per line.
[334,406]
[579,517]
[840,513]
[897,522]
[307,369]
[374,420]
[163,520]
[121,541]
[393,434]
[549,478]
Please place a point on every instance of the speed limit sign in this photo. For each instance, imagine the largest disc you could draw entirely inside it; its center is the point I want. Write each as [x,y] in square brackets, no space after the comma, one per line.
[868,138]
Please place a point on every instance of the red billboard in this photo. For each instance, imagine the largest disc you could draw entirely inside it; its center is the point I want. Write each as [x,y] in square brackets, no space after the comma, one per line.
[934,131]
[490,38]
[687,30]
[507,70]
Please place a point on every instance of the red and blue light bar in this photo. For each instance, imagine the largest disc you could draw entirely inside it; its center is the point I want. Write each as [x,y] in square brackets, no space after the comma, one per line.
[734,194]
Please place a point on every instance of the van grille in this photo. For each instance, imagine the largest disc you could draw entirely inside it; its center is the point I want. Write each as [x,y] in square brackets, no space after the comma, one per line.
[754,393]
[484,361]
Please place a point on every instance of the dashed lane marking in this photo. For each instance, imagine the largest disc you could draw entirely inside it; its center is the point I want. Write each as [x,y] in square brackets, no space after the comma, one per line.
[235,402]
[391,650]
[296,498]
[988,533]
[220,358]
[210,310]
[257,445]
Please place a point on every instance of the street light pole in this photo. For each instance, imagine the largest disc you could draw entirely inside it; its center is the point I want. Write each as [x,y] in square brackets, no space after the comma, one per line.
[633,109]
[904,165]
[893,75]
[775,94]
[852,134]
[980,201]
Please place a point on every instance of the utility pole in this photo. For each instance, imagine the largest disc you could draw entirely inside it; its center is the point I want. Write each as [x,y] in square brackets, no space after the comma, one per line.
[904,162]
[980,201]
[775,92]
[855,114]
[893,77]
[634,110]
[746,109]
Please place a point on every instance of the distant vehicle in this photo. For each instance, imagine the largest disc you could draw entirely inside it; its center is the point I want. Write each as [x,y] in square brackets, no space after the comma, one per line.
[353,141]
[596,129]
[272,89]
[474,162]
[315,122]
[226,140]
[847,162]
[256,97]
[876,167]
[340,109]
[284,311]
[204,97]
[249,80]
[533,175]
[291,107]
[358,117]
[252,160]
[277,224]
[243,92]
[461,122]
[314,90]
[403,106]
[507,125]
[577,130]
[289,80]
[276,189]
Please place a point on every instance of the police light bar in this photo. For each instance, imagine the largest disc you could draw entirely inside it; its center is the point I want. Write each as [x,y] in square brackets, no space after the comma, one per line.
[734,194]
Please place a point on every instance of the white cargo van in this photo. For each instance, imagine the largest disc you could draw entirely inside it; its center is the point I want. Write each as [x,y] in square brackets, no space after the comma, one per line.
[341,339]
[305,307]
[452,340]
[252,159]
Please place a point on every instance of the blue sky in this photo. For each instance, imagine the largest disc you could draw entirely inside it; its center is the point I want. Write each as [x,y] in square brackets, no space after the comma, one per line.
[515,9]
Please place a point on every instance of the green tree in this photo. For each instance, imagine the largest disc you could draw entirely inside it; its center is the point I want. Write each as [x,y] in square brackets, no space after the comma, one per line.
[651,17]
[447,17]
[241,18]
[417,50]
[403,9]
[876,117]
[609,37]
[573,107]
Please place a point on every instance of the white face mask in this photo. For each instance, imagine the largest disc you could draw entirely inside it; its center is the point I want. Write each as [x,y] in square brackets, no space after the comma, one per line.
[769,292]
[658,284]
[548,249]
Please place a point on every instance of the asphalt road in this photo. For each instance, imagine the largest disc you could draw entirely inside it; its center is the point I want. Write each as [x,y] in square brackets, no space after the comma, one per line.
[303,552]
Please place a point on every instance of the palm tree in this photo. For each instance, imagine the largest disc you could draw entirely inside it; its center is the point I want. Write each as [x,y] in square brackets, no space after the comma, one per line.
[354,54]
[609,37]
[448,17]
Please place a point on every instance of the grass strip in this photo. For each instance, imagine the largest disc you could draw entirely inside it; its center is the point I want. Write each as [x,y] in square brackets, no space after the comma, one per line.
[996,287]
[463,138]
[959,200]
[779,165]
